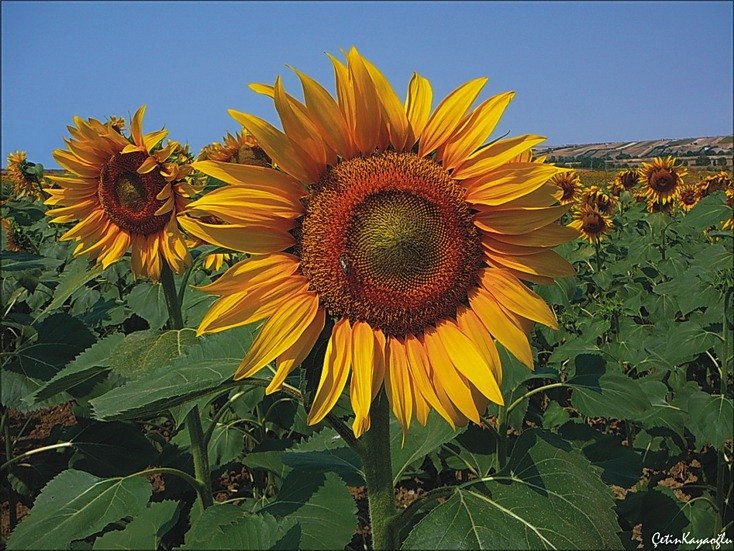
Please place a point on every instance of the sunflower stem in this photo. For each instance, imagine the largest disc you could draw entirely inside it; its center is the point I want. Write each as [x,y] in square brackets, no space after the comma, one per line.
[378,472]
[12,499]
[193,420]
[721,467]
[172,302]
[597,256]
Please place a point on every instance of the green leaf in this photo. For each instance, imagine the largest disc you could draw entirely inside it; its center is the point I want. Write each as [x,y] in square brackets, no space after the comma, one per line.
[226,444]
[597,393]
[417,442]
[474,449]
[13,261]
[145,531]
[144,351]
[109,449]
[661,414]
[208,365]
[712,419]
[548,498]
[709,211]
[75,505]
[74,277]
[83,368]
[321,505]
[148,302]
[230,527]
[326,451]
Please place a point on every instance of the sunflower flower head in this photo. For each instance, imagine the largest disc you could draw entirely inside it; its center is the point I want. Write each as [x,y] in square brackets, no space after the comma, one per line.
[661,180]
[12,239]
[714,182]
[393,229]
[241,148]
[569,185]
[596,198]
[116,123]
[591,223]
[728,224]
[23,176]
[625,180]
[688,197]
[123,193]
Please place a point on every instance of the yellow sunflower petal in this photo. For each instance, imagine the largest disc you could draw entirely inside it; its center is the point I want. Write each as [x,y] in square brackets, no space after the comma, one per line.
[468,361]
[247,274]
[294,356]
[250,238]
[495,155]
[397,383]
[279,333]
[136,126]
[253,177]
[509,291]
[239,205]
[275,144]
[367,112]
[418,365]
[475,130]
[448,115]
[472,327]
[519,220]
[547,236]
[418,107]
[337,363]
[153,139]
[501,326]
[393,111]
[547,264]
[505,184]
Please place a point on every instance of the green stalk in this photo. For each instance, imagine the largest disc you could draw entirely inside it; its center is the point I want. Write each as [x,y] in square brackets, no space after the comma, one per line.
[12,499]
[378,472]
[172,302]
[726,359]
[193,420]
[598,258]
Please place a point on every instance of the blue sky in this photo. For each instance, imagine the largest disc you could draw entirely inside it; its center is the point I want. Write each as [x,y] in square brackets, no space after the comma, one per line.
[583,72]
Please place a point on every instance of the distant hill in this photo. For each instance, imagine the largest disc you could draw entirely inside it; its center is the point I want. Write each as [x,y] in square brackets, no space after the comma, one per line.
[716,150]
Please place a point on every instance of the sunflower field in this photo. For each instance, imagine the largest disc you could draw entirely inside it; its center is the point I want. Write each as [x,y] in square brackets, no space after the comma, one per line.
[377,327]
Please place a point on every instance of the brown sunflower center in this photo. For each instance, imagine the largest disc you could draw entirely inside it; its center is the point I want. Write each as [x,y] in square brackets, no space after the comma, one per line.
[593,223]
[389,239]
[129,198]
[629,179]
[688,197]
[662,180]
[568,187]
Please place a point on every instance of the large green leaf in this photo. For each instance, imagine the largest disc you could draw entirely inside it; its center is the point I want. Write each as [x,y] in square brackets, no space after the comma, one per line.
[230,527]
[147,301]
[74,277]
[417,442]
[601,393]
[144,351]
[712,418]
[209,364]
[321,505]
[549,497]
[326,451]
[75,505]
[15,262]
[85,366]
[145,531]
[709,211]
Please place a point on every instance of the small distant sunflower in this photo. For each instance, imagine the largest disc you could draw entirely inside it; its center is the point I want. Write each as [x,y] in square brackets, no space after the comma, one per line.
[655,206]
[25,182]
[241,148]
[117,123]
[625,180]
[688,197]
[661,179]
[591,223]
[728,224]
[124,193]
[10,237]
[569,183]
[714,182]
[398,226]
[594,197]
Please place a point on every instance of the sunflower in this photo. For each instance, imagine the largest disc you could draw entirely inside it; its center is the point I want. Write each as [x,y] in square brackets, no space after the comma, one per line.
[688,197]
[728,224]
[625,180]
[393,231]
[9,236]
[594,197]
[591,223]
[117,123]
[25,183]
[714,182]
[125,193]
[569,183]
[241,148]
[661,180]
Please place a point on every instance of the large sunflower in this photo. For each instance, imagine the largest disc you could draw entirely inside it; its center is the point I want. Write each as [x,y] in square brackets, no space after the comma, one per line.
[661,180]
[124,193]
[396,224]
